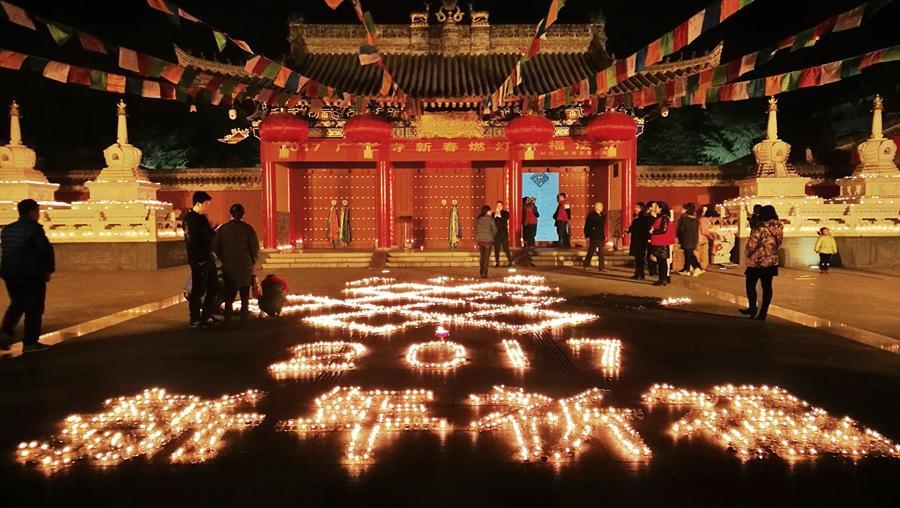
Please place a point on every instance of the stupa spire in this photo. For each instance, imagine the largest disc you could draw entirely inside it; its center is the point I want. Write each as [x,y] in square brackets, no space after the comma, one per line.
[15,130]
[877,106]
[122,130]
[772,127]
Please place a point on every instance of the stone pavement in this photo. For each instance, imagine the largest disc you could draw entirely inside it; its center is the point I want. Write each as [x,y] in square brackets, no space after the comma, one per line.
[76,297]
[696,346]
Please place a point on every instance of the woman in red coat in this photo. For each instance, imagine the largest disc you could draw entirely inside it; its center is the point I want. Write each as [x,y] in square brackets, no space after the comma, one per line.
[662,237]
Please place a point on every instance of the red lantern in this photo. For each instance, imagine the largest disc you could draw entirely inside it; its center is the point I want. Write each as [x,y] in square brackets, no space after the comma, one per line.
[368,129]
[283,128]
[529,130]
[612,126]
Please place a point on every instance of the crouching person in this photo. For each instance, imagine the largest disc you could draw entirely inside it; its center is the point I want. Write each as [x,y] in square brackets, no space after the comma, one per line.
[272,295]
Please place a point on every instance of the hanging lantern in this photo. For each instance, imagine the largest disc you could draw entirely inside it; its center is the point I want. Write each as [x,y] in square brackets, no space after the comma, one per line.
[232,114]
[285,129]
[369,130]
[529,131]
[612,126]
[609,130]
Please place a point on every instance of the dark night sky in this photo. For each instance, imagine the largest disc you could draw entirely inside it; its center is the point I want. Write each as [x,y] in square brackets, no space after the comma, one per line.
[69,124]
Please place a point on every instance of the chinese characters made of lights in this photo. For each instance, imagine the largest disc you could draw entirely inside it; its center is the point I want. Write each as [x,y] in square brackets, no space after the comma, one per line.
[480,304]
[366,414]
[142,425]
[571,421]
[610,353]
[757,421]
[318,357]
[674,300]
[515,355]
[443,355]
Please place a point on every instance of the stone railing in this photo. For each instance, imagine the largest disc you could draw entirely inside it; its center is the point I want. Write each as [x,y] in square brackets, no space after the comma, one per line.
[690,176]
[171,179]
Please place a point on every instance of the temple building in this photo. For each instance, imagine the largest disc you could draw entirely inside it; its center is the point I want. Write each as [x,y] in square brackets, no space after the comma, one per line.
[402,161]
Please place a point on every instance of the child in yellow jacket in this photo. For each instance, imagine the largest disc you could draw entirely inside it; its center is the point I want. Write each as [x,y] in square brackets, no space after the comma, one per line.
[825,247]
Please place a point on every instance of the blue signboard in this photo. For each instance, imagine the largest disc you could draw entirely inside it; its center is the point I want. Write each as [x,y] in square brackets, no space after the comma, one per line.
[544,187]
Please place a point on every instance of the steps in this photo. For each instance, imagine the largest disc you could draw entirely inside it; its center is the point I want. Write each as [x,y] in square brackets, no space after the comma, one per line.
[318,259]
[547,258]
[425,258]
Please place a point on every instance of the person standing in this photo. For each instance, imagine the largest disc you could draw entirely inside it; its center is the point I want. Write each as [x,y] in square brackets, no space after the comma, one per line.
[501,239]
[237,247]
[198,236]
[485,232]
[595,233]
[640,235]
[530,217]
[761,254]
[662,236]
[561,220]
[826,248]
[688,234]
[26,265]
[704,240]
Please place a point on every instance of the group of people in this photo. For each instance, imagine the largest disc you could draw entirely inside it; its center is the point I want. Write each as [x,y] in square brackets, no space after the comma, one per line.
[654,233]
[235,245]
[492,230]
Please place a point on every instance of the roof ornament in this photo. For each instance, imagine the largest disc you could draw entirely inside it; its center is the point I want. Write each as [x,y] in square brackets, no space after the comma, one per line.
[449,13]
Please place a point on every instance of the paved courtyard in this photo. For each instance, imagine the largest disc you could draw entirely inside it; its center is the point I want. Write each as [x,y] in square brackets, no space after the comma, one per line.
[693,345]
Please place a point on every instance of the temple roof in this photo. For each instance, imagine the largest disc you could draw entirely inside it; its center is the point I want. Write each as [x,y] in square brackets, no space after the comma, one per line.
[454,61]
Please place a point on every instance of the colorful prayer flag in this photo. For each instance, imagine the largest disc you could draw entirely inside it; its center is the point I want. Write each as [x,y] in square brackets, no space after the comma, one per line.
[60,33]
[695,26]
[11,59]
[128,60]
[850,19]
[98,80]
[333,3]
[220,39]
[79,75]
[57,71]
[91,43]
[17,15]
[115,83]
[172,73]
[162,5]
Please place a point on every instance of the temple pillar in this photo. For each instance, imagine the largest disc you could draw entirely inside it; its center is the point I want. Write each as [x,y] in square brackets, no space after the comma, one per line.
[384,212]
[269,200]
[514,200]
[292,209]
[629,183]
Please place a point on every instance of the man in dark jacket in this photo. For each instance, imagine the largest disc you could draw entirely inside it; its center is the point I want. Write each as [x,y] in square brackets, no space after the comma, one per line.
[26,264]
[501,239]
[237,247]
[595,234]
[688,234]
[198,235]
[640,235]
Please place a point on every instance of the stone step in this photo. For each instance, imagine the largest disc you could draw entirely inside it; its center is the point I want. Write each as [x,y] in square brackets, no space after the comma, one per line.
[434,259]
[324,254]
[404,264]
[306,259]
[268,266]
[429,254]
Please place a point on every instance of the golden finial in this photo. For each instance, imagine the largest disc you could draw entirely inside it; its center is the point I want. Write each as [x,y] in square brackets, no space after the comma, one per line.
[121,107]
[878,102]
[14,109]
[773,103]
